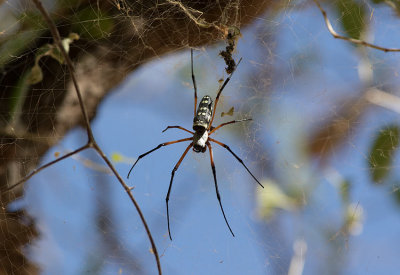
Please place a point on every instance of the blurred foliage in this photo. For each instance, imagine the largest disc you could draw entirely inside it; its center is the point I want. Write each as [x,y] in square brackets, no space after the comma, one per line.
[382,151]
[395,4]
[92,24]
[345,189]
[36,74]
[352,17]
[117,157]
[354,219]
[271,198]
[18,95]
[16,45]
[228,113]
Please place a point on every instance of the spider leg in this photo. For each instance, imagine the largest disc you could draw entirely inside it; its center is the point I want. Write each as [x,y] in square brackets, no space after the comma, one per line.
[179,127]
[219,93]
[216,186]
[239,159]
[158,147]
[226,123]
[194,82]
[170,184]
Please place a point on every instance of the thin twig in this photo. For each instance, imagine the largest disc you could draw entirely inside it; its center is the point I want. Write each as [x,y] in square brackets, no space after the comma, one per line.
[57,40]
[91,140]
[352,40]
[128,191]
[37,170]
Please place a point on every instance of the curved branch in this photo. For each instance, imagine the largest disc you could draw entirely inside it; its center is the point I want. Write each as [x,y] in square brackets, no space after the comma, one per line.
[352,40]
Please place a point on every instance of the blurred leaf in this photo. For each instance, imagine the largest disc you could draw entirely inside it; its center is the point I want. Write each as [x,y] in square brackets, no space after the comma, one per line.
[18,94]
[117,157]
[36,73]
[382,151]
[352,17]
[271,197]
[92,24]
[55,51]
[335,130]
[354,219]
[229,113]
[16,45]
[120,158]
[345,190]
[32,21]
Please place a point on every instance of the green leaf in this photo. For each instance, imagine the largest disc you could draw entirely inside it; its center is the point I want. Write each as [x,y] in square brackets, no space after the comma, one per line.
[271,198]
[382,151]
[352,17]
[18,95]
[16,45]
[92,24]
[117,157]
[345,187]
[30,20]
[36,74]
[120,158]
[66,42]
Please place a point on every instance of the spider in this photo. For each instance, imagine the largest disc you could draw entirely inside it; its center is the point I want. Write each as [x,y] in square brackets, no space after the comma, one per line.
[202,126]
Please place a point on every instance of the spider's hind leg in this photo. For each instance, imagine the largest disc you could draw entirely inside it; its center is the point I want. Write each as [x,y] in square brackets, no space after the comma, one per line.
[239,159]
[216,186]
[170,184]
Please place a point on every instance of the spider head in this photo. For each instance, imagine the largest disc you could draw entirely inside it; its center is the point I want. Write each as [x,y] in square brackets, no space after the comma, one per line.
[203,116]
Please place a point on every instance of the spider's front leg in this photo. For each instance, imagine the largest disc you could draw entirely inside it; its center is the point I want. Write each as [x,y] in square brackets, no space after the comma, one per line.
[178,127]
[156,148]
[220,91]
[213,129]
[194,82]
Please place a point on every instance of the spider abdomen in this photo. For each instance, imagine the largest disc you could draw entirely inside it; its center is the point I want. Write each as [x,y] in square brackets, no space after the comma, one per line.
[203,115]
[200,140]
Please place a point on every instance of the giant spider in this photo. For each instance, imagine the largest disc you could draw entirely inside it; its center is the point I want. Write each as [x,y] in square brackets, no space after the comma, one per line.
[202,126]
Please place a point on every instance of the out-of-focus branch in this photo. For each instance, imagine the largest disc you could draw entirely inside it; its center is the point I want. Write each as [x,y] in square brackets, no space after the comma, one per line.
[383,99]
[352,40]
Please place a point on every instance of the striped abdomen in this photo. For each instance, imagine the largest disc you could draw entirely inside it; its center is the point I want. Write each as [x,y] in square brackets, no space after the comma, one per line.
[203,115]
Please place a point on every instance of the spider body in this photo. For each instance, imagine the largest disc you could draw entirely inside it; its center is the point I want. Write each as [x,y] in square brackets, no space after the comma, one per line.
[200,140]
[202,118]
[201,123]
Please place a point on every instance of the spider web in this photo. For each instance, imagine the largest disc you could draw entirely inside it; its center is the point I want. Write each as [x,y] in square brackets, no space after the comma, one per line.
[319,106]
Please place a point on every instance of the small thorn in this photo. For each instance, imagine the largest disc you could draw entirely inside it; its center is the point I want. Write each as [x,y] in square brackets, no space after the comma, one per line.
[131,188]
